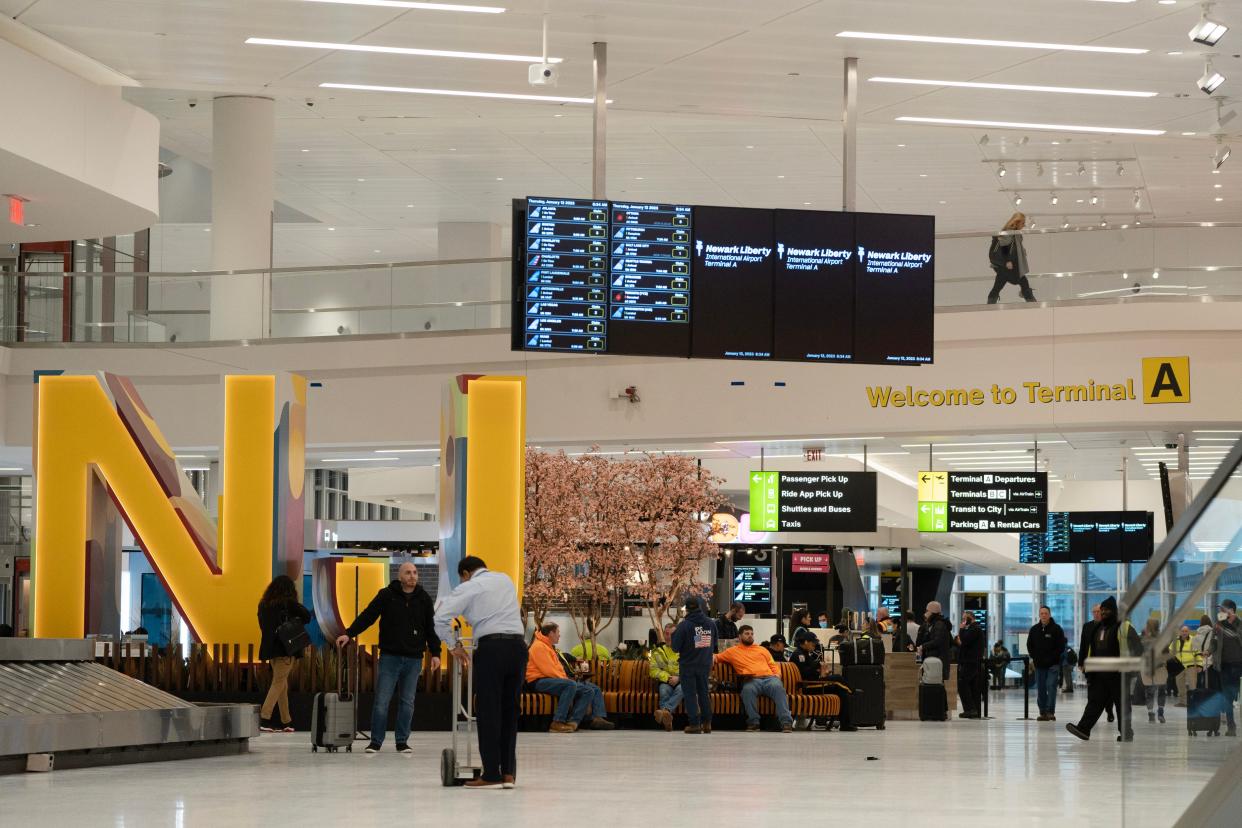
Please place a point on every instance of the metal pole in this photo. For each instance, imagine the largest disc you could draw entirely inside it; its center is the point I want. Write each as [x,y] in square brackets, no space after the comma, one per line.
[1125,484]
[599,125]
[905,594]
[864,456]
[1036,455]
[1026,688]
[849,133]
[930,462]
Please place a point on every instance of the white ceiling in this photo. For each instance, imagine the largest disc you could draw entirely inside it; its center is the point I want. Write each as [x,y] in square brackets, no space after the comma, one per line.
[694,82]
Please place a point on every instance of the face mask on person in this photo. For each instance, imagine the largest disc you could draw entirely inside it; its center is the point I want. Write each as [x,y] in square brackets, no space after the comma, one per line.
[823,625]
[1222,615]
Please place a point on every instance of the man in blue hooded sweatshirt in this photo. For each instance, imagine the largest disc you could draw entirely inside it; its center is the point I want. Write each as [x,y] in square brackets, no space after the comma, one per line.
[695,641]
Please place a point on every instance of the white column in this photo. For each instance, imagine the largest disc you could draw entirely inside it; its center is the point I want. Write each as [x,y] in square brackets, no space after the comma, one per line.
[242,192]
[475,282]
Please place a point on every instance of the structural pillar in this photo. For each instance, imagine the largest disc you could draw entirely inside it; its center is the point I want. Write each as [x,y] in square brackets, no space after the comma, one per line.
[849,133]
[242,195]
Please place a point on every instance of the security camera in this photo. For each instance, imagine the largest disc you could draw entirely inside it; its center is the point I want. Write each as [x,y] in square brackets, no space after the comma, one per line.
[193,102]
[1170,446]
[542,74]
[310,103]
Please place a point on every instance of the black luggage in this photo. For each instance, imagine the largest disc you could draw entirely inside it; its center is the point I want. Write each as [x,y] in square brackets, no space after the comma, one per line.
[861,651]
[1203,711]
[334,716]
[868,707]
[933,703]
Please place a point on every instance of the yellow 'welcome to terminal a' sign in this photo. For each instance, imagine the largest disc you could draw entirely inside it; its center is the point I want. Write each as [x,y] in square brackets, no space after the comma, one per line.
[1164,380]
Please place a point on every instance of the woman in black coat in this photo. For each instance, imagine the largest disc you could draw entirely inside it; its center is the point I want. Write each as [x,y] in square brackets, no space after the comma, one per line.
[279,604]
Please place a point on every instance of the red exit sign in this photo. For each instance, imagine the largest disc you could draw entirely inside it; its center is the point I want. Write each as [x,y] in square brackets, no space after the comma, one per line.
[813,455]
[17,210]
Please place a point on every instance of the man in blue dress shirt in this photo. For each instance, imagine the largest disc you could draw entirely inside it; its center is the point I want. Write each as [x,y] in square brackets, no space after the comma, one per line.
[488,600]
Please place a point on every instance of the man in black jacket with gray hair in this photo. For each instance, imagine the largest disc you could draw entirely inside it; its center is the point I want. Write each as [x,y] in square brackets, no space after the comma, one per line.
[935,637]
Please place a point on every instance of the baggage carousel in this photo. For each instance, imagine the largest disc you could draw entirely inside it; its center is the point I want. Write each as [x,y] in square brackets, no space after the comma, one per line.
[59,709]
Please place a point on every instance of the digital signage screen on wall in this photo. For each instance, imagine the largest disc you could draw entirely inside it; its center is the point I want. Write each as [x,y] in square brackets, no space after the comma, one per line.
[1090,537]
[894,318]
[733,262]
[813,286]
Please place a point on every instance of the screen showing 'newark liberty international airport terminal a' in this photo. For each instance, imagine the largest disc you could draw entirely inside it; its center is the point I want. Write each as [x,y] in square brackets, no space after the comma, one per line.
[650,279]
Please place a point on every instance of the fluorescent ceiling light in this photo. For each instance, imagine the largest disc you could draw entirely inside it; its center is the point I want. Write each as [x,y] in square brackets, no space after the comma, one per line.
[409,90]
[1017,125]
[9,469]
[403,451]
[1218,431]
[406,4]
[396,50]
[972,41]
[1010,443]
[355,460]
[795,440]
[1016,87]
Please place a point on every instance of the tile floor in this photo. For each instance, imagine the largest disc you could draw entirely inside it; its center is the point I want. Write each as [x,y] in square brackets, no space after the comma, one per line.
[1002,772]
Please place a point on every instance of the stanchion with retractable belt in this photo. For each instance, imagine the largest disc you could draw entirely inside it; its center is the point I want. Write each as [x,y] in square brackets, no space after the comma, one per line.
[454,771]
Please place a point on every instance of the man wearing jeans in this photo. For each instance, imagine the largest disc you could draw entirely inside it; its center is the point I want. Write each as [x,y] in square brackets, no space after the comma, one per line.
[577,702]
[666,669]
[407,630]
[759,676]
[1227,656]
[1045,644]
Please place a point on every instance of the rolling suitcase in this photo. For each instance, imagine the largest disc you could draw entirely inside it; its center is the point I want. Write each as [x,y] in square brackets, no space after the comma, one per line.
[334,716]
[868,706]
[861,651]
[933,699]
[1203,711]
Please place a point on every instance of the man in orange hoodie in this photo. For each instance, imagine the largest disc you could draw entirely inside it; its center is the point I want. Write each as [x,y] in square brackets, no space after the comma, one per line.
[576,700]
[759,676]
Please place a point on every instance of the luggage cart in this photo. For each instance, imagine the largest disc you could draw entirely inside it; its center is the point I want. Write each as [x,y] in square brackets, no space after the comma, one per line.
[457,765]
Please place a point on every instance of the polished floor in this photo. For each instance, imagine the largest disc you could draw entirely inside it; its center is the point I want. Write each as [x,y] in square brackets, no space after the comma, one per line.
[998,772]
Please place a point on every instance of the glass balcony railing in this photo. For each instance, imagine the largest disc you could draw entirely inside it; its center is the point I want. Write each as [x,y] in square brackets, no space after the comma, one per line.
[418,297]
[1183,744]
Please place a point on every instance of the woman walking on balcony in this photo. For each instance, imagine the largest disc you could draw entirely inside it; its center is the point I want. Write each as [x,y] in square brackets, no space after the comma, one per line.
[278,605]
[1007,256]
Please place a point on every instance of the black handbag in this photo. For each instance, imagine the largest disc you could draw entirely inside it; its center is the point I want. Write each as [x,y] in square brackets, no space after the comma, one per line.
[1175,667]
[293,636]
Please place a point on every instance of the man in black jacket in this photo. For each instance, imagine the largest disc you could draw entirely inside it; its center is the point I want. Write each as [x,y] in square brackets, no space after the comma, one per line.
[1102,639]
[970,675]
[726,625]
[407,630]
[935,638]
[1045,644]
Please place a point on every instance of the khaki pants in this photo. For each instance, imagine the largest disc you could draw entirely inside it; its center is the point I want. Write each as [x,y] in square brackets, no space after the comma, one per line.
[278,693]
[1187,679]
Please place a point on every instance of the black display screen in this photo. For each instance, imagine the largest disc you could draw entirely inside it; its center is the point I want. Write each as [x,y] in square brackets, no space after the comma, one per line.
[564,278]
[894,281]
[649,279]
[752,586]
[733,262]
[813,284]
[1091,537]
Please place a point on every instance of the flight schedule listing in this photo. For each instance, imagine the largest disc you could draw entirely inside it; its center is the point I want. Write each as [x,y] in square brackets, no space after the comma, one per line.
[565,289]
[655,279]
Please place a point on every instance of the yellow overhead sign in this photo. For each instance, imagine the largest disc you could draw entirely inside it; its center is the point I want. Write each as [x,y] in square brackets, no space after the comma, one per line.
[933,485]
[1166,380]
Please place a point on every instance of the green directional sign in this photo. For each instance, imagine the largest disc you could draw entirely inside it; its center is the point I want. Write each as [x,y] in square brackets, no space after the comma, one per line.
[765,503]
[933,516]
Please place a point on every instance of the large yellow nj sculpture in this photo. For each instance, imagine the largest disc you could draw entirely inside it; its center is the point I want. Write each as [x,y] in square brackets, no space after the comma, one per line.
[98,448]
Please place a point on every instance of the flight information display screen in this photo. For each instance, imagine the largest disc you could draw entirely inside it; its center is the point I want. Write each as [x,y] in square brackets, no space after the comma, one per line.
[649,279]
[894,314]
[733,258]
[1090,537]
[814,286]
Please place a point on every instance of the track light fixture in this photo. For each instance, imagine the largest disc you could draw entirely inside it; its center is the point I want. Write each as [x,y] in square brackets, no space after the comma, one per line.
[983,142]
[1223,151]
[1121,168]
[1024,140]
[1208,32]
[1138,200]
[1103,221]
[1054,200]
[1001,171]
[1064,223]
[1211,80]
[1082,168]
[1095,199]
[1039,169]
[1017,199]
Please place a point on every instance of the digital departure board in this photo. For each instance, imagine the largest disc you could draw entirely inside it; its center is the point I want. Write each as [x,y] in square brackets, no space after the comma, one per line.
[1091,537]
[752,586]
[733,255]
[839,501]
[649,279]
[894,314]
[813,286]
[565,285]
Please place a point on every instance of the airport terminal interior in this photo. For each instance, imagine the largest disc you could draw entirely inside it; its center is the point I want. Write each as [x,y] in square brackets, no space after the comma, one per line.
[769,412]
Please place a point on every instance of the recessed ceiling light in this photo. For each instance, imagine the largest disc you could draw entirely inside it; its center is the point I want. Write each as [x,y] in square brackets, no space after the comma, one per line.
[1218,198]
[1167,2]
[397,50]
[1017,125]
[360,180]
[1218,186]
[1174,53]
[1014,44]
[407,4]
[1189,133]
[409,206]
[922,175]
[498,178]
[750,146]
[1016,87]
[305,150]
[331,228]
[409,90]
[901,146]
[205,229]
[780,176]
[944,202]
[806,204]
[640,178]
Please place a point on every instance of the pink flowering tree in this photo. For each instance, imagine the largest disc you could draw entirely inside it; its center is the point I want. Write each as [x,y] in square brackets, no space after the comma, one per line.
[552,531]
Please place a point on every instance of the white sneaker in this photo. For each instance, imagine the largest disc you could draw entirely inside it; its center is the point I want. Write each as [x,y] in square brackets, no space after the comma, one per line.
[373,748]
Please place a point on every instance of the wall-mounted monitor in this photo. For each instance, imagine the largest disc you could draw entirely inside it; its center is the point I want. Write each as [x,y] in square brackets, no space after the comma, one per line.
[1091,537]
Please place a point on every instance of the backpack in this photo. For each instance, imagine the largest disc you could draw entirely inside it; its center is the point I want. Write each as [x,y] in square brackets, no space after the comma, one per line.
[997,256]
